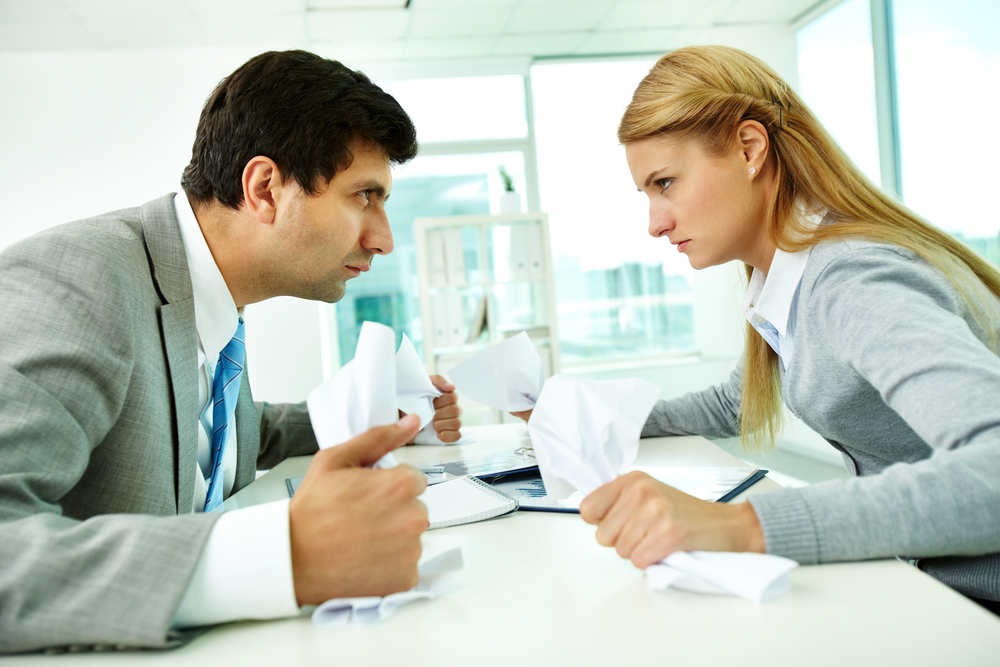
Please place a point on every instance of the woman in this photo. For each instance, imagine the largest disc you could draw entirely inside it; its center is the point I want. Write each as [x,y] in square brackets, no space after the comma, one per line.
[876,329]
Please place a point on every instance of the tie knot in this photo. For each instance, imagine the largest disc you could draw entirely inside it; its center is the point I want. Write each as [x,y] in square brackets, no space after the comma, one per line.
[234,353]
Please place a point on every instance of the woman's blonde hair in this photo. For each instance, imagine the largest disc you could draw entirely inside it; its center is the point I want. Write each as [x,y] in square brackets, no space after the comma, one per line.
[703,93]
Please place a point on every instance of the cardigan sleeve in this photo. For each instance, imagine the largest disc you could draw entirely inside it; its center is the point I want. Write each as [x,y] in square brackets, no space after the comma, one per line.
[889,321]
[712,412]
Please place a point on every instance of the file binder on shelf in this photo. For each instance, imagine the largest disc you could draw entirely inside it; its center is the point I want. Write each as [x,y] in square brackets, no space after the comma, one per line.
[471,300]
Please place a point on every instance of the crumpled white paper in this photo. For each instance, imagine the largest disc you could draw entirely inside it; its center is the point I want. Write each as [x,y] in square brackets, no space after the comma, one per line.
[585,433]
[415,394]
[361,395]
[755,577]
[370,390]
[507,376]
[435,575]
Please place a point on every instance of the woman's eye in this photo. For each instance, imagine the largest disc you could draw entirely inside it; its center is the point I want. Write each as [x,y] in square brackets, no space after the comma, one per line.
[663,183]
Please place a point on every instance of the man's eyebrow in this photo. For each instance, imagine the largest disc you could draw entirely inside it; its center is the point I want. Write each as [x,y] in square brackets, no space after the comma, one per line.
[372,186]
[652,175]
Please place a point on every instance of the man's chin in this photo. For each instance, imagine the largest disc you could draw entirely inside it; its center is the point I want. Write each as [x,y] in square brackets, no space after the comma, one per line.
[328,293]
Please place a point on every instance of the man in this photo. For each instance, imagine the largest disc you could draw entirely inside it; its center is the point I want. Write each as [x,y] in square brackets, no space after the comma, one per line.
[125,409]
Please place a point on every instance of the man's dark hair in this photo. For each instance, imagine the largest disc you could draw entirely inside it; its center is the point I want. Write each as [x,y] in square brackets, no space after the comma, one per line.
[301,110]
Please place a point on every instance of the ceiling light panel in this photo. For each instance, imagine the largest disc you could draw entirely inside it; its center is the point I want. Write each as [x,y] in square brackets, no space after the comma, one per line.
[459,22]
[356,4]
[357,25]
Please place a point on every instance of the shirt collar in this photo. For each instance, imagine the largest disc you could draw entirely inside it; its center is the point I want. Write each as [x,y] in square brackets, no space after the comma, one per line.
[215,314]
[770,295]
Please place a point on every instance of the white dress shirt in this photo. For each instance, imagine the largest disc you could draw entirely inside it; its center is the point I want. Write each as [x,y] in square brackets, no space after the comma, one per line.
[245,569]
[772,298]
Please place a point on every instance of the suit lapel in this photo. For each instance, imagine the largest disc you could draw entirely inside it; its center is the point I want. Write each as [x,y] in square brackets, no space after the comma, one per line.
[180,336]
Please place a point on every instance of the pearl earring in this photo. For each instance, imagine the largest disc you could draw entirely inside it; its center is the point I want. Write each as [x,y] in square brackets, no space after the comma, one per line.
[753,170]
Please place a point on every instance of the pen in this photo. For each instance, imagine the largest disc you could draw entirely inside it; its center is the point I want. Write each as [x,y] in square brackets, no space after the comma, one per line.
[431,469]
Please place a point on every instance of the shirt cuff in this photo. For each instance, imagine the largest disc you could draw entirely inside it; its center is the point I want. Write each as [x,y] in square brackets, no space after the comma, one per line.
[245,570]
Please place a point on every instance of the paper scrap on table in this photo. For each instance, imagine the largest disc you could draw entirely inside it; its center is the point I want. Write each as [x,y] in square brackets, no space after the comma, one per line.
[435,575]
[507,376]
[755,577]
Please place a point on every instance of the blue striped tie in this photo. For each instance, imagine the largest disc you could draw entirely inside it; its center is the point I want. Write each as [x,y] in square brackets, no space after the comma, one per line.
[225,391]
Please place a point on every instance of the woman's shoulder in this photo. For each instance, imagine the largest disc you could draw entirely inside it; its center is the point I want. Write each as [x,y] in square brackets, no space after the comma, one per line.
[855,257]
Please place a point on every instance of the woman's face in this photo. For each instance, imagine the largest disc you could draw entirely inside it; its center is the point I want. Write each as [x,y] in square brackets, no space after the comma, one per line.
[711,208]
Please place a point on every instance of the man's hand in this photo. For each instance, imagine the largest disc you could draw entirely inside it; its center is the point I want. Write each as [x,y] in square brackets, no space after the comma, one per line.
[525,415]
[356,531]
[446,411]
[646,521]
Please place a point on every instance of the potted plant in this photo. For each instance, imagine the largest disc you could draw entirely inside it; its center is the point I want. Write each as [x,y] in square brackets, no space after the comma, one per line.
[510,201]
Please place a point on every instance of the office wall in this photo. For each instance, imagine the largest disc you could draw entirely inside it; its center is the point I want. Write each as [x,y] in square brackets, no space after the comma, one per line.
[83,133]
[87,132]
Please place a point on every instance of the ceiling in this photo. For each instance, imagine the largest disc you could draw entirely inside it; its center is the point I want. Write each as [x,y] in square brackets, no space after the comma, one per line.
[388,29]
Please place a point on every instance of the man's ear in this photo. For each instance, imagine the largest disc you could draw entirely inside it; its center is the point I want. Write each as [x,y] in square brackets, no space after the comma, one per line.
[753,144]
[261,181]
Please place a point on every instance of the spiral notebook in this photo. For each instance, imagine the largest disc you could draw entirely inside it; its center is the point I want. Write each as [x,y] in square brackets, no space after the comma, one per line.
[465,500]
[455,502]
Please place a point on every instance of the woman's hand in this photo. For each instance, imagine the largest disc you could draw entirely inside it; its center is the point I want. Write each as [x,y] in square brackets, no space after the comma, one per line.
[646,520]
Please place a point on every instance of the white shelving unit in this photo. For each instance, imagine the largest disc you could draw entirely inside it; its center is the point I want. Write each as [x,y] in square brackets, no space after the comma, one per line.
[484,278]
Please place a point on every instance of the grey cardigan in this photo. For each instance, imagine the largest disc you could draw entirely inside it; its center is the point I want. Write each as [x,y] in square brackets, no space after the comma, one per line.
[892,368]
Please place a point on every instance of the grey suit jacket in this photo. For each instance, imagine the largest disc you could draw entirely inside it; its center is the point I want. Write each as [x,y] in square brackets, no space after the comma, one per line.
[98,433]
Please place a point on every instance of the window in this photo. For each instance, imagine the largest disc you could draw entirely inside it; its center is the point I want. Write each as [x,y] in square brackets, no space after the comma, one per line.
[467,127]
[429,186]
[619,292]
[947,66]
[837,80]
[464,108]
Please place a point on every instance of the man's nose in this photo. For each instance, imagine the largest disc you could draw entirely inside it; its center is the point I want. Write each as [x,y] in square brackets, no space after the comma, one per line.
[378,235]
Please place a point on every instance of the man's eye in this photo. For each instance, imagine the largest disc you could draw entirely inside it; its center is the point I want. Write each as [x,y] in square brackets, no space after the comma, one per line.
[366,194]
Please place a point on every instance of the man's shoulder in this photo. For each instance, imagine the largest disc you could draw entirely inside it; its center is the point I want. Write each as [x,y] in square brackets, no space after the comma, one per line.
[104,254]
[107,238]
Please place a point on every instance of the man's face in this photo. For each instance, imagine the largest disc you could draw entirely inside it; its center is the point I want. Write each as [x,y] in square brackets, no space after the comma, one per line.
[330,237]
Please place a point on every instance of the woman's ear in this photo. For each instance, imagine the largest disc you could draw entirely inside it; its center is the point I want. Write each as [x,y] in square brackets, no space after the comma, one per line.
[753,144]
[261,180]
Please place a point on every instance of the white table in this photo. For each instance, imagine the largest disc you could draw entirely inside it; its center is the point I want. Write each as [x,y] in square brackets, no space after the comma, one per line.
[537,589]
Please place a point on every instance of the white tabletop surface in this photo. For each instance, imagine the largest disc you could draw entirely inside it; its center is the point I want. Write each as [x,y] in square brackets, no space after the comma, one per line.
[537,589]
